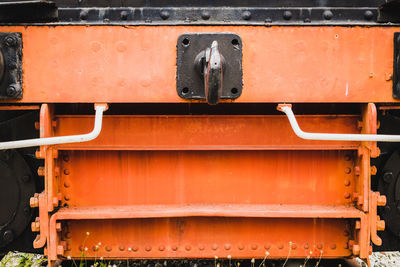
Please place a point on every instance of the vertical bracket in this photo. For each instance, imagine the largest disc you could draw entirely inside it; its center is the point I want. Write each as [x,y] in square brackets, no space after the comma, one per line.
[396,66]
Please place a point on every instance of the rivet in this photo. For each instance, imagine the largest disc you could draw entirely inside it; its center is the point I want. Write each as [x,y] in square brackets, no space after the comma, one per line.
[41,171]
[280,246]
[83,15]
[267,246]
[388,177]
[174,248]
[201,247]
[68,235]
[357,170]
[108,248]
[26,178]
[327,14]
[319,246]
[294,246]
[287,15]
[246,15]
[95,248]
[188,247]
[356,250]
[254,246]
[134,248]
[347,182]
[347,195]
[161,248]
[121,248]
[227,246]
[67,197]
[347,157]
[67,184]
[368,15]
[66,158]
[347,170]
[66,172]
[333,246]
[124,15]
[240,246]
[164,14]
[306,246]
[374,170]
[205,15]
[214,246]
[81,248]
[147,248]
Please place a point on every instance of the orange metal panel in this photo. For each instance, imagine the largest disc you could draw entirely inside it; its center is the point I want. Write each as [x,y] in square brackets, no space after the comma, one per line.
[198,237]
[104,178]
[206,132]
[138,64]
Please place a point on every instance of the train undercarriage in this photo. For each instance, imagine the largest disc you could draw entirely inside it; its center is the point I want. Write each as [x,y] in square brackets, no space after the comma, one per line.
[186,131]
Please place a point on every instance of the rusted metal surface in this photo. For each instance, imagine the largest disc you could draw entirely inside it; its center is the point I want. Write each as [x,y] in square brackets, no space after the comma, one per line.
[297,64]
[206,132]
[205,186]
[199,237]
[98,178]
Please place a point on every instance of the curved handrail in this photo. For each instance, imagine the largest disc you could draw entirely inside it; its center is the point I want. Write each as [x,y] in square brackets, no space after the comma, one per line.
[287,109]
[100,108]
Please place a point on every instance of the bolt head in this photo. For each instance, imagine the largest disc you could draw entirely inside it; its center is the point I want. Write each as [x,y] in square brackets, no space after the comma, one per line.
[327,14]
[246,15]
[388,177]
[84,15]
[287,15]
[10,41]
[164,14]
[124,15]
[26,178]
[13,91]
[205,15]
[368,15]
[8,236]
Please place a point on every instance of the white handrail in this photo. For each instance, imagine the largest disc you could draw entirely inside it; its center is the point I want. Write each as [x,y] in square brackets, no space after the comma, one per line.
[332,136]
[100,108]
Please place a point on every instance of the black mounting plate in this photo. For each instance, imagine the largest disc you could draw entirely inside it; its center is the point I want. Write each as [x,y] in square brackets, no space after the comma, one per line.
[396,66]
[190,82]
[11,65]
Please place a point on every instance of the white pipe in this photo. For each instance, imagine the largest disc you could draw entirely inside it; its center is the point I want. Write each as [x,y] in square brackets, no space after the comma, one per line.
[331,136]
[61,139]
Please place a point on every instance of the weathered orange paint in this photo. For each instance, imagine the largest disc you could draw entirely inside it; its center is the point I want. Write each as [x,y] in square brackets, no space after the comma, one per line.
[193,186]
[200,237]
[205,186]
[205,132]
[138,64]
[102,178]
